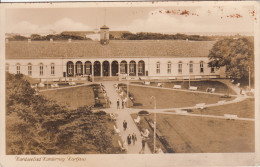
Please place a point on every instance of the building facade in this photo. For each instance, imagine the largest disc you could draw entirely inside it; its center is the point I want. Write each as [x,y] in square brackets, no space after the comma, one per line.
[166,59]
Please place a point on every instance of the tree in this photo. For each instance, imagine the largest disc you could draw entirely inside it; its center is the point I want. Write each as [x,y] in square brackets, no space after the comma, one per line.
[35,125]
[237,54]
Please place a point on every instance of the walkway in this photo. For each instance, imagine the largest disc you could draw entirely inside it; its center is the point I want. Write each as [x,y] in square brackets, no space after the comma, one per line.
[124,114]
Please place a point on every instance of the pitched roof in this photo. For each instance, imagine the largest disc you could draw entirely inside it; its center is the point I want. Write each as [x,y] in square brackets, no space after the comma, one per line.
[115,49]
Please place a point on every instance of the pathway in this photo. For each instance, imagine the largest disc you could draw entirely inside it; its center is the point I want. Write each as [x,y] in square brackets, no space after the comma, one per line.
[124,114]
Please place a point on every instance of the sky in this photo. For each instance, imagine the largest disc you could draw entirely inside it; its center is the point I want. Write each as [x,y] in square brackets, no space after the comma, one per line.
[178,19]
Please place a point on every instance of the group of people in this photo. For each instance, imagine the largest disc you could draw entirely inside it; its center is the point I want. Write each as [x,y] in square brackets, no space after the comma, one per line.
[118,104]
[131,139]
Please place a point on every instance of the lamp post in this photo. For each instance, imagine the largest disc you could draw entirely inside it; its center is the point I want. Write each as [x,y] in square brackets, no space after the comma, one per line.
[154,128]
[127,91]
[189,74]
[249,84]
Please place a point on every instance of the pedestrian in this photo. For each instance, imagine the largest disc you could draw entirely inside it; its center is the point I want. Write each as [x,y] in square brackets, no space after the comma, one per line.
[125,125]
[123,104]
[118,107]
[143,146]
[134,138]
[129,138]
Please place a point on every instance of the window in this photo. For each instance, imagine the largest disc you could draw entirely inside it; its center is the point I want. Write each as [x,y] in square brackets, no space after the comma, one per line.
[52,69]
[212,69]
[132,68]
[30,69]
[169,68]
[191,67]
[158,67]
[180,67]
[201,67]
[41,69]
[6,67]
[70,68]
[18,68]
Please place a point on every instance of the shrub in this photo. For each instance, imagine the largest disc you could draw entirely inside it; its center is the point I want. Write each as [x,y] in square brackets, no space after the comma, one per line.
[97,105]
[99,113]
[137,104]
[143,112]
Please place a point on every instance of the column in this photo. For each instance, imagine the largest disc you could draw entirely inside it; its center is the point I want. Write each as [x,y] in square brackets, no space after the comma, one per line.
[83,73]
[119,69]
[110,69]
[75,66]
[92,69]
[127,68]
[101,69]
[136,69]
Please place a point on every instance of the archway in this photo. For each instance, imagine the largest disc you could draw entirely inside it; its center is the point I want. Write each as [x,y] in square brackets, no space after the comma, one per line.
[132,68]
[70,69]
[105,68]
[97,67]
[123,67]
[114,68]
[88,68]
[141,68]
[79,68]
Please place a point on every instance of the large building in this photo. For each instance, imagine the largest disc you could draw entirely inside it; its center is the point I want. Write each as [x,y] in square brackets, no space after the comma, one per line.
[153,59]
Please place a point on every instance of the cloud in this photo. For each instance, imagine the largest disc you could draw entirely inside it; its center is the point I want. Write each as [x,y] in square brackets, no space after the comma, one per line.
[65,24]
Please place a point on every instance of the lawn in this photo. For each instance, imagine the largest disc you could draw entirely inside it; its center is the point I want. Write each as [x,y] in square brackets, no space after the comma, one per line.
[244,109]
[73,97]
[202,85]
[170,98]
[202,135]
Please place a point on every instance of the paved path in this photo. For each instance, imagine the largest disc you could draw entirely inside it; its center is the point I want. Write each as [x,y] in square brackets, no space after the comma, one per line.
[124,114]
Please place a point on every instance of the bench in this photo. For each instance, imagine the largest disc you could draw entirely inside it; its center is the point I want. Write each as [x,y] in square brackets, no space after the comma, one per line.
[198,77]
[200,105]
[159,84]
[54,85]
[116,129]
[211,90]
[181,112]
[137,120]
[221,102]
[172,78]
[72,83]
[122,148]
[40,85]
[213,76]
[230,116]
[193,88]
[147,83]
[112,117]
[177,87]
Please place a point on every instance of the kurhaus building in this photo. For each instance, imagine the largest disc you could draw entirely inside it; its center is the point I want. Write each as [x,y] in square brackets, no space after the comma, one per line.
[153,59]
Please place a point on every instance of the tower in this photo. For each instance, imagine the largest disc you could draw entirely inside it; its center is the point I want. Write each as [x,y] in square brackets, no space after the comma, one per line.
[104,35]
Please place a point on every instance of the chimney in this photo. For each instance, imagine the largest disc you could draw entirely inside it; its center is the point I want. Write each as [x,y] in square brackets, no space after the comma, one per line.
[104,35]
[29,40]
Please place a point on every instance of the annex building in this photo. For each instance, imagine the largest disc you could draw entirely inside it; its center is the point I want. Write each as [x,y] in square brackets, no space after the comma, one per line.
[134,59]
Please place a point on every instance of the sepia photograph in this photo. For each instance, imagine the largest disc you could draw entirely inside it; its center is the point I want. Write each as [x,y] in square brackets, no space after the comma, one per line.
[143,79]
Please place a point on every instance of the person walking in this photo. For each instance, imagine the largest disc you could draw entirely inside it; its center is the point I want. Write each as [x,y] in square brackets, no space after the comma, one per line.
[125,125]
[129,138]
[134,138]
[143,146]
[123,104]
[118,107]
